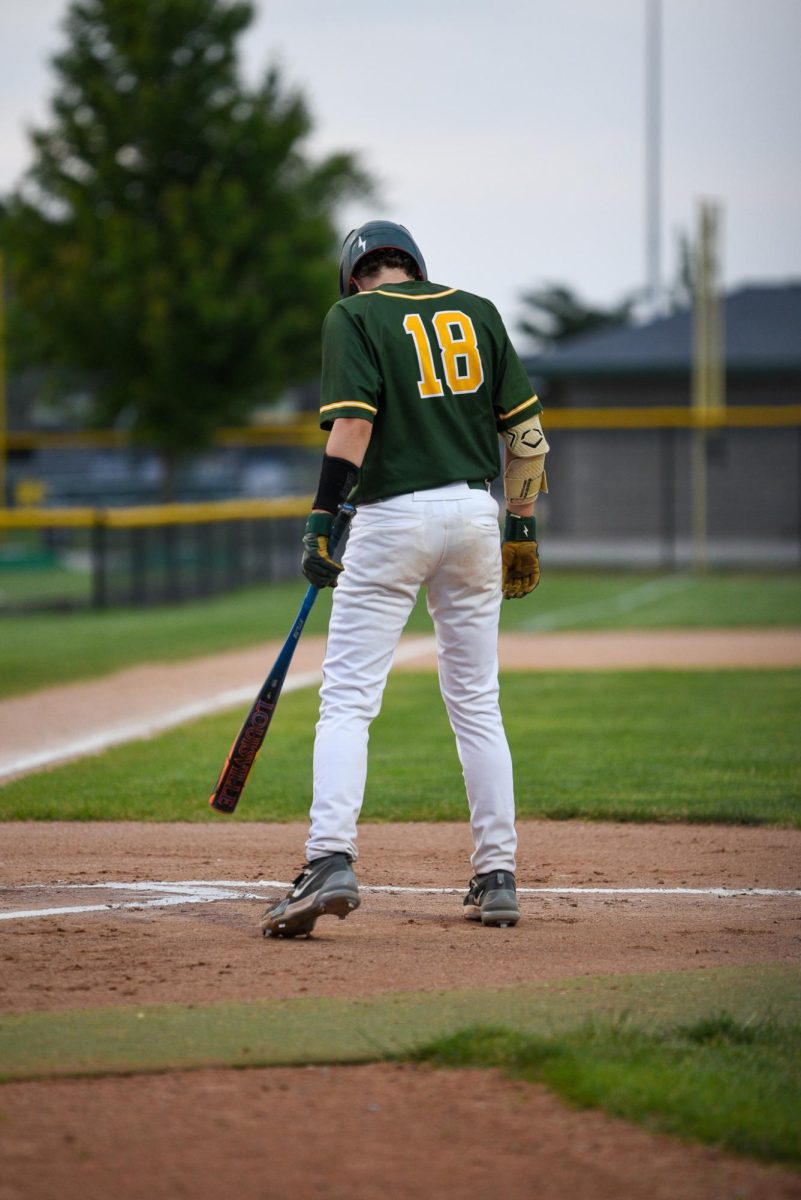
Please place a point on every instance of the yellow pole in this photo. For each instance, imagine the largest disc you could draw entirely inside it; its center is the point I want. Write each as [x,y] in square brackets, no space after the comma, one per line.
[708,396]
[717,355]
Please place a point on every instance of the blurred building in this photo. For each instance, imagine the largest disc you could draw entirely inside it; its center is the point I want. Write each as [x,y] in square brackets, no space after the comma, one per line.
[651,364]
[622,489]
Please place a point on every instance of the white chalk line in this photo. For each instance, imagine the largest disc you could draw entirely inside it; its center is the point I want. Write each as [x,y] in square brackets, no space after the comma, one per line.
[199,891]
[622,602]
[134,731]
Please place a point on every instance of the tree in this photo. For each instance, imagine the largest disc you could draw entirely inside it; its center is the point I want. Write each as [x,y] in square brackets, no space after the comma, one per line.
[170,237]
[681,289]
[555,312]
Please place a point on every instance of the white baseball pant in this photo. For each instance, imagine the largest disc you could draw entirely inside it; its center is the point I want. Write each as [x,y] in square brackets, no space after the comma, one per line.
[447,540]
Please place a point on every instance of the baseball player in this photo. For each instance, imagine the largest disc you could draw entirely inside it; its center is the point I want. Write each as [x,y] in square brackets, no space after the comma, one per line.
[418,380]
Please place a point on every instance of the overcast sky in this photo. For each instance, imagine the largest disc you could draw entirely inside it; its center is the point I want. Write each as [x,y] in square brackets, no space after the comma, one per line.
[509,136]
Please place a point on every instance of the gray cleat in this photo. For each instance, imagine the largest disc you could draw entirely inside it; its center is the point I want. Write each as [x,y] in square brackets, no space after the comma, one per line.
[326,885]
[492,899]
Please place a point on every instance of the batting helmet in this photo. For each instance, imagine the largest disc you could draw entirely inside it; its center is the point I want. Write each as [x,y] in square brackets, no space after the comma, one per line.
[375,235]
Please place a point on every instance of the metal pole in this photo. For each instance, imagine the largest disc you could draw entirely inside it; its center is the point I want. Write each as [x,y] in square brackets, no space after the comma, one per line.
[99,537]
[653,155]
[667,472]
[699,517]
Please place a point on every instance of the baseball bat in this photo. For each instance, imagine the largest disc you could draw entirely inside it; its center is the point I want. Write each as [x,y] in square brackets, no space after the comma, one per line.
[248,741]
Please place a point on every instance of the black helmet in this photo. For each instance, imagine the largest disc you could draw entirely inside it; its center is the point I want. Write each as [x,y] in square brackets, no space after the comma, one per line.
[375,235]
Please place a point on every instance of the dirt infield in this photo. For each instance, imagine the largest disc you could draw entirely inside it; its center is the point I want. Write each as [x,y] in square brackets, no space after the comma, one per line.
[198,952]
[364,1132]
[597,899]
[345,1133]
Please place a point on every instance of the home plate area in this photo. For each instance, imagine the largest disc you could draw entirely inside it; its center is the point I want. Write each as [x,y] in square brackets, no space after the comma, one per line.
[100,913]
[61,900]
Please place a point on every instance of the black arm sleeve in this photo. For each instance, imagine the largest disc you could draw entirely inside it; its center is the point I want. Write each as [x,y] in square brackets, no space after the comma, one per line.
[338,477]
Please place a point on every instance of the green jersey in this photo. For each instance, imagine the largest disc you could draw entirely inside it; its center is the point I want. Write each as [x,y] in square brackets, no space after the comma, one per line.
[434,371]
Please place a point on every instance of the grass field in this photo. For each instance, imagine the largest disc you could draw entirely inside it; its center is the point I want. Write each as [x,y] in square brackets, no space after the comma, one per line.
[45,649]
[632,746]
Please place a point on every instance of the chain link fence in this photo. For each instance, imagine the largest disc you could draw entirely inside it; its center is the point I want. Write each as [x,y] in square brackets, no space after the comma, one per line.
[653,488]
[86,558]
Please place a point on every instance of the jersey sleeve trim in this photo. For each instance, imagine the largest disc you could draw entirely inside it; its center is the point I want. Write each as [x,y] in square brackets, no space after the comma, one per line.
[346,408]
[530,407]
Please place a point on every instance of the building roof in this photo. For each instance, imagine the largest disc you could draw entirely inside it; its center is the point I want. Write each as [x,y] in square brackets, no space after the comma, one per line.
[762,336]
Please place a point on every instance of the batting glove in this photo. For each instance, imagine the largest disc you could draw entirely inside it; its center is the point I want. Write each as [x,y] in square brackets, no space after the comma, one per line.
[318,566]
[521,563]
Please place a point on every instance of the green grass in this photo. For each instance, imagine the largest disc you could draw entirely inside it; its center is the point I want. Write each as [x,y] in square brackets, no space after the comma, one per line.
[687,1065]
[55,586]
[631,746]
[266,1032]
[40,650]
[659,601]
[44,649]
[719,1080]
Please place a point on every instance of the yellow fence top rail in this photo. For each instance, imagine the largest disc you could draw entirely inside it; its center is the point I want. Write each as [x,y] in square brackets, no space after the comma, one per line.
[148,515]
[674,417]
[305,431]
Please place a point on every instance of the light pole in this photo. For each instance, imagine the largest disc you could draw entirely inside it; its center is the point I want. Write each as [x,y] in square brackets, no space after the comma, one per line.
[653,156]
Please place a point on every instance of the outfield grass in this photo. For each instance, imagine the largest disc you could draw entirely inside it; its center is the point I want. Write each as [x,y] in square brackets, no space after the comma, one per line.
[728,1082]
[628,745]
[45,649]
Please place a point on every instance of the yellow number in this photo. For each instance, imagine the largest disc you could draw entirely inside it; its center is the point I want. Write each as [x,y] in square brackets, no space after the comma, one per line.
[461,360]
[458,346]
[428,383]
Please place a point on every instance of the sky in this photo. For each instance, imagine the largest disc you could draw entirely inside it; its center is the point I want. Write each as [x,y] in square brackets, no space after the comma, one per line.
[510,136]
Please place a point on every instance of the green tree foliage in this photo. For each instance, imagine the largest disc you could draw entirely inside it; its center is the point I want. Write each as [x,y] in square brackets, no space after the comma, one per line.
[555,312]
[681,288]
[171,237]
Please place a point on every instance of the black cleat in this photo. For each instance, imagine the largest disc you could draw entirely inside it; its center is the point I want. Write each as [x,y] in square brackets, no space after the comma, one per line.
[492,899]
[326,885]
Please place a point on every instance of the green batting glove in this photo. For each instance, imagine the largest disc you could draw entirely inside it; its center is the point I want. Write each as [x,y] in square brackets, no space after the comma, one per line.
[318,566]
[521,563]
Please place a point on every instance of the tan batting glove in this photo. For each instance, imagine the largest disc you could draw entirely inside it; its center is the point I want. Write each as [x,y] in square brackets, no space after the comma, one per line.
[521,562]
